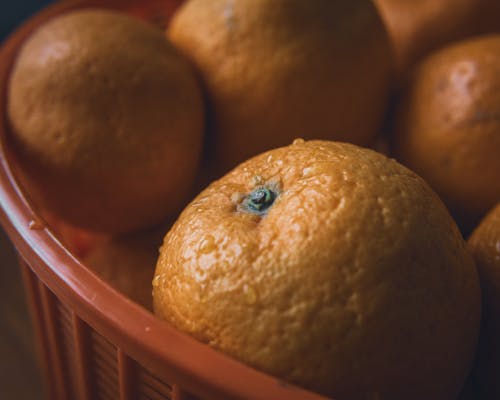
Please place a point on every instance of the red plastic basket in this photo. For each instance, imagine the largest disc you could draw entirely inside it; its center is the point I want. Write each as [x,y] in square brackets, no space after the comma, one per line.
[94,342]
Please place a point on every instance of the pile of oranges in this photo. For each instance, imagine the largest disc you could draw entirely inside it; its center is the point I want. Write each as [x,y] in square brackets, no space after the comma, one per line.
[310,255]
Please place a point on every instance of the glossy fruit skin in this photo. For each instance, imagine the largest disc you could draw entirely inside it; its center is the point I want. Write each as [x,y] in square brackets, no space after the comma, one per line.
[485,247]
[277,70]
[447,126]
[418,28]
[107,121]
[354,283]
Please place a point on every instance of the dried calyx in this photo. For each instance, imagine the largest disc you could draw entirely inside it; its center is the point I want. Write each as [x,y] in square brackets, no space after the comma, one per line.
[259,200]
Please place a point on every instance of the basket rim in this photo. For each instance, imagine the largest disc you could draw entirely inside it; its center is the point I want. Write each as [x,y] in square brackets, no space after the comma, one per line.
[166,351]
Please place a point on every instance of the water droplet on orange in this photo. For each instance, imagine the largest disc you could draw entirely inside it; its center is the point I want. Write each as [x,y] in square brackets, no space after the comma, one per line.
[207,245]
[307,171]
[250,294]
[237,197]
[36,224]
[257,180]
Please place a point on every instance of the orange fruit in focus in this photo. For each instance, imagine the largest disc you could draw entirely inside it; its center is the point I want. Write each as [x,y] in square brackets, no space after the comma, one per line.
[329,266]
[447,126]
[276,70]
[107,121]
[419,27]
[485,245]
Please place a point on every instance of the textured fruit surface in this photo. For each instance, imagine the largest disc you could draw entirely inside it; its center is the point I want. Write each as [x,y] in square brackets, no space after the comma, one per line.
[330,266]
[276,70]
[447,126]
[485,245]
[107,121]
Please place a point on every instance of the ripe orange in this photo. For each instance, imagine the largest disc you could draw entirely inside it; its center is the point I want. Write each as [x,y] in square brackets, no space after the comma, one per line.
[447,126]
[107,121]
[419,27]
[330,266]
[485,245]
[276,70]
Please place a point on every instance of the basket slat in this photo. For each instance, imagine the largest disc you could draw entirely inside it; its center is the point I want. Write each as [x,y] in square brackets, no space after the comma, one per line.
[126,376]
[81,340]
[67,347]
[60,384]
[33,299]
[152,387]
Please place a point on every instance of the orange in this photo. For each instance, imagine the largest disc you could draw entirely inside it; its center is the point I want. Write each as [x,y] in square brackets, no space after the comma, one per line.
[127,263]
[419,27]
[276,70]
[447,126]
[107,121]
[485,246]
[330,266]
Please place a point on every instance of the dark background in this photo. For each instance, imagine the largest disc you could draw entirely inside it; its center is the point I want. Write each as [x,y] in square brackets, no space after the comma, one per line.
[13,12]
[19,370]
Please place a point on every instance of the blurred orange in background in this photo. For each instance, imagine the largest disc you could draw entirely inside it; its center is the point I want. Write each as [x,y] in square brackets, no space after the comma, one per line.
[420,26]
[277,70]
[447,126]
